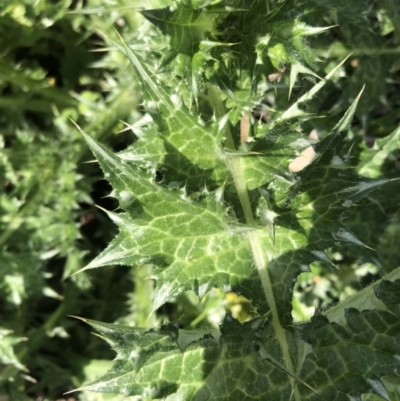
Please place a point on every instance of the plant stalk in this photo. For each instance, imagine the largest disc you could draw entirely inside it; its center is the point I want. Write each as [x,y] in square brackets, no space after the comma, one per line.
[235,168]
[262,267]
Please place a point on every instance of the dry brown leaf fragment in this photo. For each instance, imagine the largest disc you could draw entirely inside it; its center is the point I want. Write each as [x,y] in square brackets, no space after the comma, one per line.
[276,75]
[303,160]
[244,128]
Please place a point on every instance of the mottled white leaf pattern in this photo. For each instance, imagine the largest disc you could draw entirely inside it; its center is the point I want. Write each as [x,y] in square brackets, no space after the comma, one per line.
[240,217]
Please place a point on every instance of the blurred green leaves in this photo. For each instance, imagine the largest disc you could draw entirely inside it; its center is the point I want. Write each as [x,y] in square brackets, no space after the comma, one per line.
[49,73]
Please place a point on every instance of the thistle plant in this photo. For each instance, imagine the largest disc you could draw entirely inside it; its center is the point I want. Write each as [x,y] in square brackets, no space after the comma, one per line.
[246,212]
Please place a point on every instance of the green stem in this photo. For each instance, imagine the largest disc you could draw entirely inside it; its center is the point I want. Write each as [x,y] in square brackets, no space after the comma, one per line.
[214,98]
[359,51]
[262,267]
[234,166]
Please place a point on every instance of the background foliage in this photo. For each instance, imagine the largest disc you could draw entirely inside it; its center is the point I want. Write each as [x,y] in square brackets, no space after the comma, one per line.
[60,60]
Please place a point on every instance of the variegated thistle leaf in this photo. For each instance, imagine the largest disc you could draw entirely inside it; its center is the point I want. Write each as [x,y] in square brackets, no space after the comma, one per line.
[208,211]
[381,207]
[196,241]
[338,356]
[211,38]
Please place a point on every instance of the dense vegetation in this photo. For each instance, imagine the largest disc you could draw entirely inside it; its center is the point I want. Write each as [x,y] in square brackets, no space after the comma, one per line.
[248,245]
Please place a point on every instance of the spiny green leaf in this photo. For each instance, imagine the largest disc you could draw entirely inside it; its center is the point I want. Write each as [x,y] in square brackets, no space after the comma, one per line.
[191,242]
[240,218]
[353,348]
[381,207]
[277,146]
[295,111]
[191,31]
[372,160]
[297,69]
[7,355]
[190,150]
[193,245]
[374,52]
[186,26]
[348,356]
[160,368]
